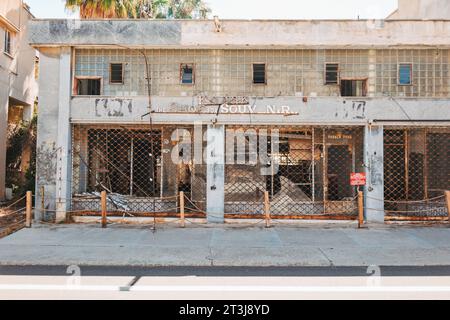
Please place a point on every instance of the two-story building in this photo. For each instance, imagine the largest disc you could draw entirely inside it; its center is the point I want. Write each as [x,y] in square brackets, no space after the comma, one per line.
[18,84]
[302,105]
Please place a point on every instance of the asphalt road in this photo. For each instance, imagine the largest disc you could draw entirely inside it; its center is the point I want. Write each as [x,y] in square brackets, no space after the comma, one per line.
[223,283]
[109,271]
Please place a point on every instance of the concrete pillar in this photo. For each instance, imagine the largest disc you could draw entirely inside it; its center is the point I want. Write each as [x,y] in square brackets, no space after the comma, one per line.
[374,160]
[4,101]
[63,143]
[47,132]
[215,186]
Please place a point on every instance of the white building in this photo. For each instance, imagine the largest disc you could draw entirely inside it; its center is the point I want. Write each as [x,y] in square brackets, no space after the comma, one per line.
[347,96]
[18,85]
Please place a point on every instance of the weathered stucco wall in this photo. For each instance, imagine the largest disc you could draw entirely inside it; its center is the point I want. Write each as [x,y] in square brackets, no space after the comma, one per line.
[17,79]
[18,69]
[256,33]
[48,128]
[287,110]
[375,48]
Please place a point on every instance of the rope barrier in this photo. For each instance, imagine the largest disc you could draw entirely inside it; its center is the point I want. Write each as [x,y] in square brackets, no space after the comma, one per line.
[195,206]
[13,212]
[16,202]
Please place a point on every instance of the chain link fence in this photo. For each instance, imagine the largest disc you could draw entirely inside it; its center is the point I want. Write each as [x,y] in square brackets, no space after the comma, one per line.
[306,172]
[416,173]
[134,165]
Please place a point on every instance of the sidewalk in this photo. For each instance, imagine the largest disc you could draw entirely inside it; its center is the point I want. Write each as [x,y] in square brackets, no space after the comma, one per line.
[336,245]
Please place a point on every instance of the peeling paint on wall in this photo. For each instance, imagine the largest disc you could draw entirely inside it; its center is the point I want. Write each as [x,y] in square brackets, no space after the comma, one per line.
[113,107]
[352,110]
[46,161]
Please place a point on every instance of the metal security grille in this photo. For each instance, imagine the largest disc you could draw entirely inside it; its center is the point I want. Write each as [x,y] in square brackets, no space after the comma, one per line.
[312,177]
[416,171]
[134,165]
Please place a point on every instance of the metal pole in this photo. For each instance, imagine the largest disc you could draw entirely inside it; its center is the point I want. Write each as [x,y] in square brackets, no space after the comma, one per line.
[426,164]
[324,171]
[272,190]
[447,199]
[406,166]
[132,166]
[313,166]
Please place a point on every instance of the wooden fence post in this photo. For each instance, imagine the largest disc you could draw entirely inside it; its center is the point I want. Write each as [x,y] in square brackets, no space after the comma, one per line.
[104,209]
[447,199]
[29,209]
[267,208]
[360,209]
[183,222]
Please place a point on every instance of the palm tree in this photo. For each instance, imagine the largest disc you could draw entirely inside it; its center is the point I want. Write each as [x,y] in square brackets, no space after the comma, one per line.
[187,9]
[144,9]
[103,8]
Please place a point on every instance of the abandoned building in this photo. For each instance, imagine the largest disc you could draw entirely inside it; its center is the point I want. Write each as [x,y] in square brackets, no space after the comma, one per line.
[117,97]
[18,82]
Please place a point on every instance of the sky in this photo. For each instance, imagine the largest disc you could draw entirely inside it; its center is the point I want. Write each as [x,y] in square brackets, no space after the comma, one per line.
[260,9]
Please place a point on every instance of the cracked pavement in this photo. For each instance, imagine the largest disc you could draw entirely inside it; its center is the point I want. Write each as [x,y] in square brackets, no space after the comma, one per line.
[290,246]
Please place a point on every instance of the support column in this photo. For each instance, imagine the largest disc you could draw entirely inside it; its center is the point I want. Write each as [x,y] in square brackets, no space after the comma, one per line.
[63,164]
[215,186]
[374,161]
[4,101]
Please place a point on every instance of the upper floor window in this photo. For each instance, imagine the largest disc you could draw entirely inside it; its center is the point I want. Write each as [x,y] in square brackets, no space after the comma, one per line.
[88,86]
[331,73]
[187,74]
[259,73]
[405,74]
[116,73]
[8,43]
[353,88]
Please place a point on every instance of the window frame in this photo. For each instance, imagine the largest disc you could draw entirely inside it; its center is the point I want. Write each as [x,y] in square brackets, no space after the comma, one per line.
[75,85]
[365,87]
[110,73]
[338,75]
[192,65]
[265,74]
[8,43]
[411,81]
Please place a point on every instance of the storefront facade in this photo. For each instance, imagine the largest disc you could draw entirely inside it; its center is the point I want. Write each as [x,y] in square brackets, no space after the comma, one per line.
[147,109]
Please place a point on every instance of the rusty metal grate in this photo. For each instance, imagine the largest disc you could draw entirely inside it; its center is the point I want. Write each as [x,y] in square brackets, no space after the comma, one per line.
[120,160]
[134,165]
[416,171]
[312,177]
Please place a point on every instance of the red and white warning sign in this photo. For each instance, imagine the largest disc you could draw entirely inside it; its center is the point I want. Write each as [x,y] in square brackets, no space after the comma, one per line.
[358,179]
